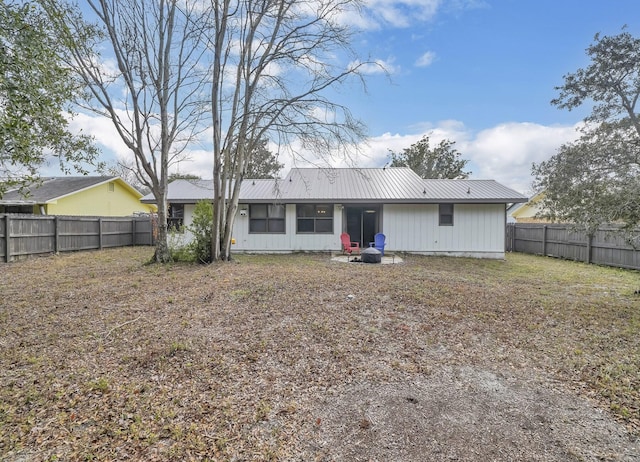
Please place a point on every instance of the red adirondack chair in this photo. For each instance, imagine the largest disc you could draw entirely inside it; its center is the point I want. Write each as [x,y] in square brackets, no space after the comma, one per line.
[347,245]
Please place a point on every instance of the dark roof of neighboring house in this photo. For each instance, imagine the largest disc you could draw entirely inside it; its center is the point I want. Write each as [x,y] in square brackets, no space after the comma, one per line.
[54,188]
[378,185]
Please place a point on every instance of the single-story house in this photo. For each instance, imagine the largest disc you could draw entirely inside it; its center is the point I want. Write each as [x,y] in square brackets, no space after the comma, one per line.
[77,195]
[310,208]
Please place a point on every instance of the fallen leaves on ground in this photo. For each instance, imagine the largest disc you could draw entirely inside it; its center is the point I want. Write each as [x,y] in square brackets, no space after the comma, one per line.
[107,358]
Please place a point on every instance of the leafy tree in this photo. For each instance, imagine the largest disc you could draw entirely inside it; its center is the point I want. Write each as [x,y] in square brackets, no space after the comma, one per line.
[442,162]
[262,163]
[595,179]
[36,91]
[273,64]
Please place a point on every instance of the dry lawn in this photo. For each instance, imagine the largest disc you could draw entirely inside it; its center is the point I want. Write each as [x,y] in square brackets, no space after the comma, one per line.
[297,358]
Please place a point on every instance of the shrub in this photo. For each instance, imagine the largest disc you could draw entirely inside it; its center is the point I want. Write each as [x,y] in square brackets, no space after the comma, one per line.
[179,249]
[201,230]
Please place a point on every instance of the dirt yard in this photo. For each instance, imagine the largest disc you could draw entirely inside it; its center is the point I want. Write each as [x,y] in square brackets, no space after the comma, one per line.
[299,358]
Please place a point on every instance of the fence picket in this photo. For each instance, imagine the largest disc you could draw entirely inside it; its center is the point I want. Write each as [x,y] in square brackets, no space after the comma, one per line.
[25,235]
[604,247]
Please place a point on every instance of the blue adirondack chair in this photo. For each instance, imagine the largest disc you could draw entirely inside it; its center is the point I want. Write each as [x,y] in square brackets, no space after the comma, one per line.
[378,242]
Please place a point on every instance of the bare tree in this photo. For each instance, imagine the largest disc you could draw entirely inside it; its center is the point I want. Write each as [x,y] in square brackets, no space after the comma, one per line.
[275,63]
[126,169]
[148,83]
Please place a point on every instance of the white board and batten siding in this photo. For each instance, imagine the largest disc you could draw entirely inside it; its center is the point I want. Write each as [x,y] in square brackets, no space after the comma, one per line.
[291,240]
[183,238]
[478,230]
[409,208]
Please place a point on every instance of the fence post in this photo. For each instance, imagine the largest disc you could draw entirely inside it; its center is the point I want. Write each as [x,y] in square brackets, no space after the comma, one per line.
[100,233]
[514,237]
[589,247]
[133,231]
[7,238]
[544,240]
[56,234]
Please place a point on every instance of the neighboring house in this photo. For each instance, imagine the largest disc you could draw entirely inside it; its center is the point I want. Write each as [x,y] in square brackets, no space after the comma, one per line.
[77,195]
[527,212]
[310,208]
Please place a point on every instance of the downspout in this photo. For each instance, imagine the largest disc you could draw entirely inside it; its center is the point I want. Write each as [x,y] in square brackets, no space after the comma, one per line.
[43,211]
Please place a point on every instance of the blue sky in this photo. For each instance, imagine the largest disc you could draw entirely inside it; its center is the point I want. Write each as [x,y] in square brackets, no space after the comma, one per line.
[491,71]
[492,61]
[479,72]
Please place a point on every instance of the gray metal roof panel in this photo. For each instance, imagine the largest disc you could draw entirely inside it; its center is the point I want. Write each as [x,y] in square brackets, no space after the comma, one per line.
[256,190]
[343,184]
[187,191]
[471,191]
[382,185]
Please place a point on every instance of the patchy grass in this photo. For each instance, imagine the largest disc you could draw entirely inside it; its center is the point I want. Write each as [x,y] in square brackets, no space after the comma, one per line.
[106,358]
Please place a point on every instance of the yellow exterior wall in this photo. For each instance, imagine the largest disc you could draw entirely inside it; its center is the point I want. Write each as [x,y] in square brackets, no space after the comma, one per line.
[99,200]
[527,212]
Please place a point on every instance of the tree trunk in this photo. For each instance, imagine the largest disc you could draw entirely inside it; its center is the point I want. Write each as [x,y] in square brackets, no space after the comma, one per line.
[218,216]
[162,254]
[228,230]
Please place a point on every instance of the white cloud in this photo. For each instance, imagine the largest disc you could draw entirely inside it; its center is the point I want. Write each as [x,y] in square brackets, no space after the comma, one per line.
[105,134]
[379,14]
[199,162]
[426,59]
[401,13]
[503,153]
[506,152]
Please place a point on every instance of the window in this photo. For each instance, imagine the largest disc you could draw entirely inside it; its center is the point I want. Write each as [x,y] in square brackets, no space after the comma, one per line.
[446,214]
[314,218]
[266,218]
[175,217]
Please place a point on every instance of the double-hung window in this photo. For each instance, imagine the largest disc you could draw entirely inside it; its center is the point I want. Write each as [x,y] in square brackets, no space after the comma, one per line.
[446,214]
[266,218]
[314,218]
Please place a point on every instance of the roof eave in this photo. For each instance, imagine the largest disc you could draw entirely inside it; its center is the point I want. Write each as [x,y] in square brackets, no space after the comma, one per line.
[380,201]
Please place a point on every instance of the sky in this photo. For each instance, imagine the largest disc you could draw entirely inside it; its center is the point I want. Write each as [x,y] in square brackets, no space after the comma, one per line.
[481,73]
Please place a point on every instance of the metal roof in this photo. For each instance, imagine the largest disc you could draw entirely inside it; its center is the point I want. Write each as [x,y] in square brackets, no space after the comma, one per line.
[54,188]
[371,185]
[351,184]
[189,191]
[471,191]
[185,191]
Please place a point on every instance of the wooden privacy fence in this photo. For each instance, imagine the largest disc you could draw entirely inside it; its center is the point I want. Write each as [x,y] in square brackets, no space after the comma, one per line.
[606,247]
[23,235]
